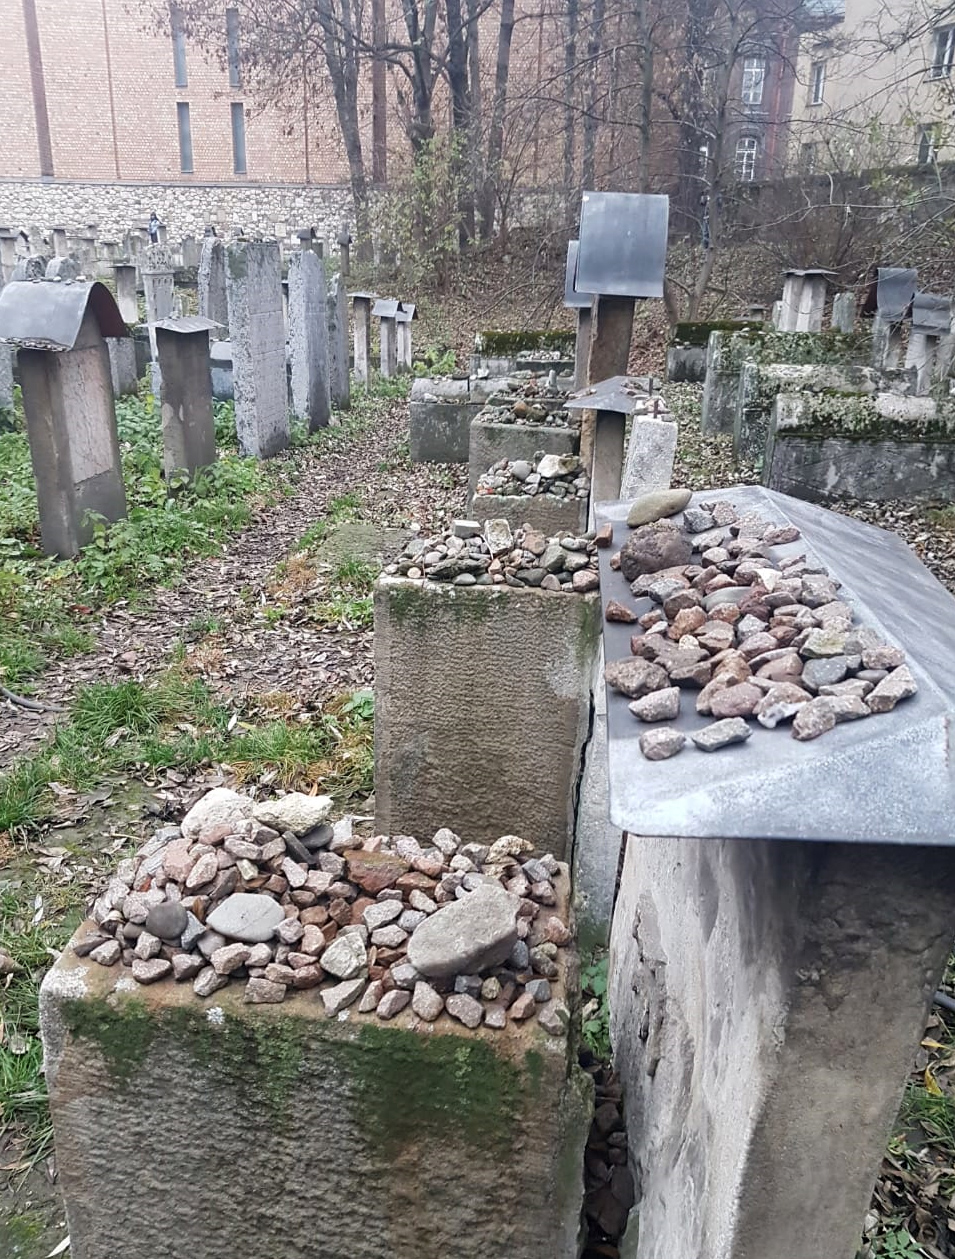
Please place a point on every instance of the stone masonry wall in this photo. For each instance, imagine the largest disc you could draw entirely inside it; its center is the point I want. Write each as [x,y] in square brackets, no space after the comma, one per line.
[185,209]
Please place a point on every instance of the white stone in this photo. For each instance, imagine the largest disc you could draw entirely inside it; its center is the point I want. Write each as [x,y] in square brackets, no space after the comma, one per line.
[295,812]
[219,808]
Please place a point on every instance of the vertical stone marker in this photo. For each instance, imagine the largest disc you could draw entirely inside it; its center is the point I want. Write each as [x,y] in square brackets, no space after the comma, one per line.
[213,302]
[8,254]
[308,339]
[126,296]
[68,402]
[188,428]
[337,305]
[60,248]
[158,274]
[407,312]
[254,287]
[386,309]
[361,315]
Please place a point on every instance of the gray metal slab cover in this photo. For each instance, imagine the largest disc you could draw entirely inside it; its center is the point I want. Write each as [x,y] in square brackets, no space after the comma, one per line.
[623,244]
[894,292]
[616,393]
[573,299]
[187,324]
[48,314]
[931,314]
[886,779]
[385,308]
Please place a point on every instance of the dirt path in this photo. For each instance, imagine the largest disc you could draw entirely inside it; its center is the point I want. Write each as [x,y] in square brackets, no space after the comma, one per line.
[248,629]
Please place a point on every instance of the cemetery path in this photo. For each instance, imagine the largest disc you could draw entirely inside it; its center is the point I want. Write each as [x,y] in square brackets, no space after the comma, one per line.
[263,619]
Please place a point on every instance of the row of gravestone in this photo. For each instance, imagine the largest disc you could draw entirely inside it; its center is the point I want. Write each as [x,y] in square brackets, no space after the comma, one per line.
[62,333]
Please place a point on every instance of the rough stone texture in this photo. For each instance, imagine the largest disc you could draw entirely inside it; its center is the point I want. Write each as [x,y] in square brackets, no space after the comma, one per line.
[502,1117]
[122,366]
[823,469]
[257,332]
[653,505]
[336,310]
[686,364]
[188,427]
[650,454]
[488,443]
[544,512]
[439,432]
[765,973]
[220,809]
[213,302]
[466,936]
[6,377]
[308,339]
[720,393]
[474,687]
[295,811]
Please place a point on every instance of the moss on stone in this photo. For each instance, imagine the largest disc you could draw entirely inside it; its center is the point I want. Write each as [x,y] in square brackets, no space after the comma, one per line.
[698,334]
[855,417]
[123,1031]
[500,344]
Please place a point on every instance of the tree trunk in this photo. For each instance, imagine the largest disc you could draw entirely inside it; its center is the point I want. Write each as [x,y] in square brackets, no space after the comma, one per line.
[379,103]
[461,123]
[645,101]
[570,119]
[476,138]
[495,144]
[588,170]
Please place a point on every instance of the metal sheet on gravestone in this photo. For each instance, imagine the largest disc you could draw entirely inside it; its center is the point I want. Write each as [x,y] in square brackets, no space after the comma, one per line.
[572,299]
[48,316]
[886,779]
[895,290]
[931,314]
[622,394]
[623,244]
[385,308]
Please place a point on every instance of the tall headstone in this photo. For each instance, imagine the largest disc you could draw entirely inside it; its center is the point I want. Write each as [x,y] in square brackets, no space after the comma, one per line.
[361,315]
[122,366]
[190,252]
[389,345]
[844,312]
[254,288]
[337,306]
[213,303]
[158,272]
[8,254]
[126,296]
[308,339]
[68,403]
[60,248]
[403,321]
[188,426]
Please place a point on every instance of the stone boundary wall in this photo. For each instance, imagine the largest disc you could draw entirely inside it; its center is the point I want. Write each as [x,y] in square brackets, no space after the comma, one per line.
[184,208]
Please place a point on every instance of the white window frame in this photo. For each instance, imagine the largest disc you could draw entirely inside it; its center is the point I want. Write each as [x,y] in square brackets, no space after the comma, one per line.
[943,52]
[745,158]
[754,80]
[817,83]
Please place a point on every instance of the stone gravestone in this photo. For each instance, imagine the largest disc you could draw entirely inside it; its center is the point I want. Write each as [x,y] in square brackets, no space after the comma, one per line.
[62,268]
[158,272]
[361,314]
[337,303]
[68,403]
[254,287]
[126,296]
[308,339]
[8,254]
[33,268]
[213,303]
[188,427]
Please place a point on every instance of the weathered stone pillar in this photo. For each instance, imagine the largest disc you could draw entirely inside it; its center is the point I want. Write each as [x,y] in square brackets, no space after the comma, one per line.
[254,286]
[68,403]
[582,347]
[389,346]
[213,303]
[650,454]
[337,322]
[158,275]
[812,304]
[188,426]
[786,316]
[748,980]
[920,354]
[844,312]
[6,377]
[403,338]
[191,252]
[886,344]
[361,314]
[308,339]
[451,742]
[122,366]
[60,248]
[127,298]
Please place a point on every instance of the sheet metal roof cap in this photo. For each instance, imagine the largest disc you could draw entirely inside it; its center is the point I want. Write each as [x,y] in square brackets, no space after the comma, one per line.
[623,244]
[407,311]
[385,308]
[187,323]
[931,314]
[617,393]
[573,299]
[48,314]
[895,290]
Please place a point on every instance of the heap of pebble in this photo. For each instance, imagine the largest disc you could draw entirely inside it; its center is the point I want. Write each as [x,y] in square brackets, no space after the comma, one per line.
[561,476]
[273,895]
[470,554]
[752,637]
[527,411]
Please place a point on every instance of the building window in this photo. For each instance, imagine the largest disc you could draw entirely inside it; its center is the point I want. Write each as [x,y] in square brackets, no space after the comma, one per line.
[185,138]
[817,83]
[238,138]
[928,136]
[754,79]
[807,158]
[232,45]
[178,47]
[943,52]
[747,151]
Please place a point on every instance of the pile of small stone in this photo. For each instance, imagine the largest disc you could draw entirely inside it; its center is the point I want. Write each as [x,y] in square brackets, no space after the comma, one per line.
[470,554]
[755,638]
[608,1183]
[273,895]
[527,411]
[561,476]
